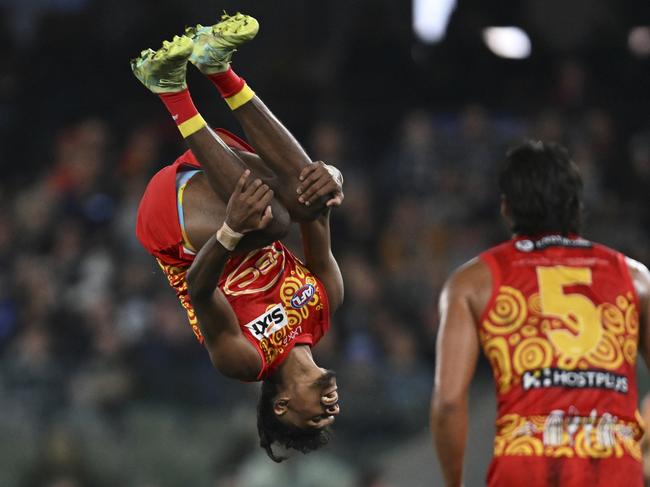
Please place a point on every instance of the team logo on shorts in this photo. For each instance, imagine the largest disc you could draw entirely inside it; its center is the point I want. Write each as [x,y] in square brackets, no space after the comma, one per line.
[265,325]
[302,296]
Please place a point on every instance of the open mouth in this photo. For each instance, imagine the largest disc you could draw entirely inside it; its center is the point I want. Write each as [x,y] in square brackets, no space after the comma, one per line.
[333,409]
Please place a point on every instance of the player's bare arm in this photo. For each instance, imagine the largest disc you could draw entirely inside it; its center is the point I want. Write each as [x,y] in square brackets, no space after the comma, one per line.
[462,300]
[248,210]
[317,181]
[641,280]
[282,153]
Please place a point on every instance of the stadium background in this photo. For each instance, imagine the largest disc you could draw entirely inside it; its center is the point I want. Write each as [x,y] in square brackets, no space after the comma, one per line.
[101,381]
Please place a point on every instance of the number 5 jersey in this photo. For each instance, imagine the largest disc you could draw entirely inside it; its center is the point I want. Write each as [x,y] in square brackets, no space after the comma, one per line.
[560,332]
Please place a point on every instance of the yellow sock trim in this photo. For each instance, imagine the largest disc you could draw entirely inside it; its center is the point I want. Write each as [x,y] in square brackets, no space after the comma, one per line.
[194,124]
[241,98]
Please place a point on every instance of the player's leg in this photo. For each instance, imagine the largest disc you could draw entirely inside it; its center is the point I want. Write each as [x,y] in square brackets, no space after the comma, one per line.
[163,73]
[270,138]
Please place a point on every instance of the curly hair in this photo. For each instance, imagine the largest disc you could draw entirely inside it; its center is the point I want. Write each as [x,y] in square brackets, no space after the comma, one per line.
[543,189]
[272,430]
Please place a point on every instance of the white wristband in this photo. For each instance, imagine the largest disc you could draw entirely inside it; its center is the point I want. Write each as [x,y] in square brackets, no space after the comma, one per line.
[227,237]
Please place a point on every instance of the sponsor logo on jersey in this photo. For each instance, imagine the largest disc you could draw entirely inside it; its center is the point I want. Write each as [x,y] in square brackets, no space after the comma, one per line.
[293,334]
[562,426]
[574,379]
[526,245]
[302,296]
[258,272]
[265,325]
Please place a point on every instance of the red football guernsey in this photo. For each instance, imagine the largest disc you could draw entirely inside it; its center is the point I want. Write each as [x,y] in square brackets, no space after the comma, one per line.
[157,226]
[279,303]
[561,332]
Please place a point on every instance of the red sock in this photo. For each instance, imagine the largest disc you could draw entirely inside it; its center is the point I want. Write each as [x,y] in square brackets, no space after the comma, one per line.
[182,109]
[180,105]
[228,83]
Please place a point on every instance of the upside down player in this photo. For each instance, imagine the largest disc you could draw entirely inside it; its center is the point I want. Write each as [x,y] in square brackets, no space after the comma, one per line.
[560,319]
[257,309]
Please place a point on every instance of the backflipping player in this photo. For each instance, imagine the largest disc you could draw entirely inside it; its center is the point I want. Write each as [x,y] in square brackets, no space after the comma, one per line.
[257,309]
[559,319]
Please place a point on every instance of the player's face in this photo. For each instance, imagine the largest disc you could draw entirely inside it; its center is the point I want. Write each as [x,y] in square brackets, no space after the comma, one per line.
[313,404]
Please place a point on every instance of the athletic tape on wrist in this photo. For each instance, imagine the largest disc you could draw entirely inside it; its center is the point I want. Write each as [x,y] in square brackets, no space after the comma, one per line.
[227,237]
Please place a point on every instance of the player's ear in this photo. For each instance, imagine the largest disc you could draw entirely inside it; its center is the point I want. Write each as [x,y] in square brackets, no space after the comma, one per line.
[280,406]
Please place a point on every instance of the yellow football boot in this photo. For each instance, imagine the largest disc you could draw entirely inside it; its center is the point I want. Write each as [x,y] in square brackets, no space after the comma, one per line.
[214,45]
[163,71]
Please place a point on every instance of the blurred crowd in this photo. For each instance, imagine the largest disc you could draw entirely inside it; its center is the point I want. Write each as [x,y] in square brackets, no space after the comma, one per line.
[101,380]
[90,330]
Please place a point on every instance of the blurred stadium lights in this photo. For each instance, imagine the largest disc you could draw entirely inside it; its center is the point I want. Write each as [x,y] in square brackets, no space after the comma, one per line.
[430,19]
[507,42]
[639,41]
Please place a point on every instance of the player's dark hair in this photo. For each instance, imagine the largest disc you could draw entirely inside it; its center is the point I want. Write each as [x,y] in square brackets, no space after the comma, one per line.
[272,430]
[543,189]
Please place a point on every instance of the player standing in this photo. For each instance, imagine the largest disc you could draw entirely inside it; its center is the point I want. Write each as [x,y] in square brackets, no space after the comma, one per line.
[560,319]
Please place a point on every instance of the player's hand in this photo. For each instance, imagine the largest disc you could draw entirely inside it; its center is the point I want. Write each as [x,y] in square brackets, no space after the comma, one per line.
[318,180]
[249,206]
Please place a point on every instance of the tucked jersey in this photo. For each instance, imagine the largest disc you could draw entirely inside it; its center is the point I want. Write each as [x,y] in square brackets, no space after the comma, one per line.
[279,303]
[561,333]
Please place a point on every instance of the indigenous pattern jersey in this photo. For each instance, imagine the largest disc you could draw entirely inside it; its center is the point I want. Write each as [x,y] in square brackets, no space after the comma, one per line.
[279,303]
[561,333]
